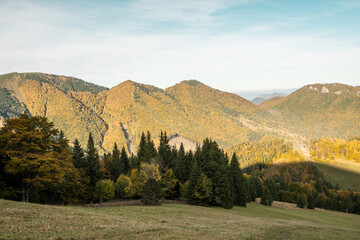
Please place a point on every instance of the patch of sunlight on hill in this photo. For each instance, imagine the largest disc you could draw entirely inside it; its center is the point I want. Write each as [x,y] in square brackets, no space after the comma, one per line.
[345,173]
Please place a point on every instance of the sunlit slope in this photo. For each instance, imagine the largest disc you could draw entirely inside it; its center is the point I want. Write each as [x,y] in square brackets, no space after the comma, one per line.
[213,113]
[189,109]
[320,110]
[52,96]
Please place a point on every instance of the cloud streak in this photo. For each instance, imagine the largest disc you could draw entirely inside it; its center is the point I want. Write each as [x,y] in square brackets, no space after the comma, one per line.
[40,37]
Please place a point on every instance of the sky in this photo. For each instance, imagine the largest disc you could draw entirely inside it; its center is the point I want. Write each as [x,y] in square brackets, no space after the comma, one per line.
[234,46]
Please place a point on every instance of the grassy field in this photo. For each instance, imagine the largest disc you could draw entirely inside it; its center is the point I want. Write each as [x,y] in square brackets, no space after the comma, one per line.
[172,221]
[345,173]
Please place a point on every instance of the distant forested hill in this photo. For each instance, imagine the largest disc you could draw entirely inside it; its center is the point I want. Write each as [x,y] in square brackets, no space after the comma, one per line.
[319,110]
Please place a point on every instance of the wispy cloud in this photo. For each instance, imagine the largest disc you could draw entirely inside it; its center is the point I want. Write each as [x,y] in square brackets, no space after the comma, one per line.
[162,42]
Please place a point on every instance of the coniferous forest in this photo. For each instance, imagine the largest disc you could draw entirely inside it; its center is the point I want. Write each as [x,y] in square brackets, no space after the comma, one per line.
[37,164]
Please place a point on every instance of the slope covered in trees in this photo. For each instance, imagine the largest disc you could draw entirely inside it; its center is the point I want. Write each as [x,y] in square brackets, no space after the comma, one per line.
[320,110]
[189,109]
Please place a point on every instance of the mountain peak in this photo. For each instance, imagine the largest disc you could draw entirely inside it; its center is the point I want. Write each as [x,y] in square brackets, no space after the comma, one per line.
[191,82]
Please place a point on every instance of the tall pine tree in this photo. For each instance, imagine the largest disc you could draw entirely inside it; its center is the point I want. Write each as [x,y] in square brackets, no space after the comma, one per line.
[238,182]
[116,167]
[164,153]
[146,150]
[124,159]
[93,163]
[79,160]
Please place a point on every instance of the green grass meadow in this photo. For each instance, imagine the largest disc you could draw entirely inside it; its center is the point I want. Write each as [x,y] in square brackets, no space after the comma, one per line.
[344,173]
[172,221]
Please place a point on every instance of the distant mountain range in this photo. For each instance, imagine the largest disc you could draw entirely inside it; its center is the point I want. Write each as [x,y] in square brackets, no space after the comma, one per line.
[188,111]
[252,95]
[264,97]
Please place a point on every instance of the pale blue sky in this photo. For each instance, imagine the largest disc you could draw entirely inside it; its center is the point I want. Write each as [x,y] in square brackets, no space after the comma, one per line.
[230,45]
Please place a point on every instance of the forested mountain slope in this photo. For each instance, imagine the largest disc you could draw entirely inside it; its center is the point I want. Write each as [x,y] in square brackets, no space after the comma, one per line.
[189,109]
[320,110]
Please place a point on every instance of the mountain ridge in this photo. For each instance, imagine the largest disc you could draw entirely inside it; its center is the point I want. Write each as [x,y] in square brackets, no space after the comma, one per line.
[189,110]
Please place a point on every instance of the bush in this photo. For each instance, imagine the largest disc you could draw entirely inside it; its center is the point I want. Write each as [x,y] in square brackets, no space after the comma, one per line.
[121,186]
[184,189]
[104,189]
[203,190]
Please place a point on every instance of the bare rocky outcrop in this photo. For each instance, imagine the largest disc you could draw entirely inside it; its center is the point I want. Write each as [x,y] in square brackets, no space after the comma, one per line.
[129,142]
[324,90]
[176,140]
[13,86]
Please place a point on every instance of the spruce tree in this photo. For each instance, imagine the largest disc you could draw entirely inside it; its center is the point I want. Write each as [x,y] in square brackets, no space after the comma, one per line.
[189,161]
[164,153]
[146,150]
[181,167]
[266,198]
[203,190]
[124,159]
[79,160]
[151,192]
[238,183]
[301,202]
[150,147]
[252,189]
[222,195]
[194,175]
[93,163]
[116,165]
[311,200]
[141,154]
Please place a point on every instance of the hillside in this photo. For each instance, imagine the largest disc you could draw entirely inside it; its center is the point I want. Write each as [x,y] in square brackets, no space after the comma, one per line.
[168,221]
[319,110]
[190,110]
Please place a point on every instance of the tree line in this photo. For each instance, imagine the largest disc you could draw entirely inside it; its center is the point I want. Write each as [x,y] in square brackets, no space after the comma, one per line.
[330,149]
[38,165]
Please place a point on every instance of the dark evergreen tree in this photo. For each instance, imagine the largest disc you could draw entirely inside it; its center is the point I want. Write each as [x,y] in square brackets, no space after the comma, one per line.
[222,195]
[150,147]
[238,183]
[151,192]
[116,167]
[203,191]
[141,154]
[348,204]
[124,159]
[79,160]
[301,202]
[181,167]
[164,153]
[194,175]
[266,198]
[93,163]
[311,200]
[146,150]
[251,186]
[188,163]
